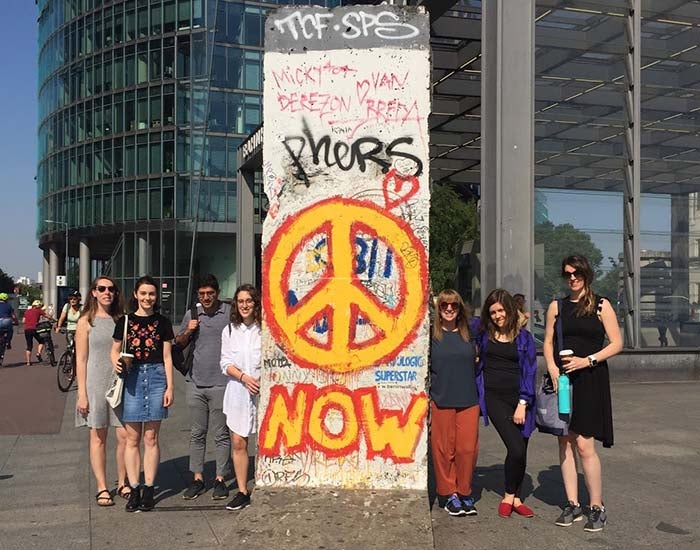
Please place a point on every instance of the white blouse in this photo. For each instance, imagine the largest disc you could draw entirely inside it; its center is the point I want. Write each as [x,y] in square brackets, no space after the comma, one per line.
[241,347]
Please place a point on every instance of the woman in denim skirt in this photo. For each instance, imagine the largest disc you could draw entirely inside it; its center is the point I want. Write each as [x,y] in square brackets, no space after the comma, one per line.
[148,387]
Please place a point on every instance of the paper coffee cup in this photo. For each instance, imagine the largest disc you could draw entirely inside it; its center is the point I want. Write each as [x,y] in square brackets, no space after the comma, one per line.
[566,353]
[126,359]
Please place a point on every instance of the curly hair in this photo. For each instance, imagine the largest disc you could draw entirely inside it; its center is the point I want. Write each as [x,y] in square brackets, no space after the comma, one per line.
[236,317]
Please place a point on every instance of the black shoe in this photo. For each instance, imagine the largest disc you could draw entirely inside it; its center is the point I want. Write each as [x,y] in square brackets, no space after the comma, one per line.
[147,501]
[220,491]
[132,505]
[596,519]
[570,513]
[8,346]
[38,357]
[194,490]
[239,502]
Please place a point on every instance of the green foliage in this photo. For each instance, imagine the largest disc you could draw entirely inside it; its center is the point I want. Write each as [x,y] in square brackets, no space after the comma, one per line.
[559,242]
[7,283]
[31,291]
[452,221]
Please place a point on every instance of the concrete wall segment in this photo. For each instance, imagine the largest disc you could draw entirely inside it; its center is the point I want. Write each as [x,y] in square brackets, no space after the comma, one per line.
[345,249]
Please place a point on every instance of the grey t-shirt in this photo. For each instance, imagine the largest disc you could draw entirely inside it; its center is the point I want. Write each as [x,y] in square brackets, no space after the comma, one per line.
[207,348]
[452,372]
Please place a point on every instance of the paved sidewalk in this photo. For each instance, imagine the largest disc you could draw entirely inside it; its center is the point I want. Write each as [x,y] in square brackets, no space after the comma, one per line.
[651,479]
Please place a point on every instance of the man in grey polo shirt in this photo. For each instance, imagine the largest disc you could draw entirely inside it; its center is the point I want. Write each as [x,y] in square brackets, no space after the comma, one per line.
[205,387]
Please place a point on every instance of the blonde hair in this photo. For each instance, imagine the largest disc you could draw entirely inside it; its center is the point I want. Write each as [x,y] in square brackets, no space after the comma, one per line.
[452,296]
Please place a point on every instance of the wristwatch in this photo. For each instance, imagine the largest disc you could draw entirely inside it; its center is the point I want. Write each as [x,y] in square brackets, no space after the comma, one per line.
[592,361]
[522,402]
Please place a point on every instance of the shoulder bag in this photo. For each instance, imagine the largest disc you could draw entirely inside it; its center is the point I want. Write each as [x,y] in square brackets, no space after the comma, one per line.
[116,386]
[547,418]
[183,356]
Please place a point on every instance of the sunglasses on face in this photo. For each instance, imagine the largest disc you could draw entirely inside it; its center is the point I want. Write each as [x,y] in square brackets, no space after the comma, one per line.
[207,293]
[102,288]
[575,274]
[445,306]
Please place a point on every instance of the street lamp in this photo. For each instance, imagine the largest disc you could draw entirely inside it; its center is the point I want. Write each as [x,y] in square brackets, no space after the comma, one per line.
[65,260]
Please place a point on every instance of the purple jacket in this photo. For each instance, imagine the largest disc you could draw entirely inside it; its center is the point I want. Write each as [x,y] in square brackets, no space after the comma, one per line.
[527,359]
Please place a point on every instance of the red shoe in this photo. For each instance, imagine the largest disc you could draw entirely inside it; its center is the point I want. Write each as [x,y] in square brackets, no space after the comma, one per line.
[523,511]
[505,509]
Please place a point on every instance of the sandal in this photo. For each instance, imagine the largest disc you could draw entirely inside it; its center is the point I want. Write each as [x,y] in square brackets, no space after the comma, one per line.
[104,500]
[124,491]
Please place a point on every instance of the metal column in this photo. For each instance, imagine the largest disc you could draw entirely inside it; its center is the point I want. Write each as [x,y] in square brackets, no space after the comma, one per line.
[632,176]
[84,273]
[51,298]
[45,275]
[507,145]
[245,235]
[142,254]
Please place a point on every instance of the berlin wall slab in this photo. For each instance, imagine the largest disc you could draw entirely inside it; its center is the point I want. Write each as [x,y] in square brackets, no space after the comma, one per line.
[345,248]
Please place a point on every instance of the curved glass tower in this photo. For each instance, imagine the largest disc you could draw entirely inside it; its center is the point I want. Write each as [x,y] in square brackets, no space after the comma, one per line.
[142,105]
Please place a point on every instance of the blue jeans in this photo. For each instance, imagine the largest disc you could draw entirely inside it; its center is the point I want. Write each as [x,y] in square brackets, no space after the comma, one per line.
[144,388]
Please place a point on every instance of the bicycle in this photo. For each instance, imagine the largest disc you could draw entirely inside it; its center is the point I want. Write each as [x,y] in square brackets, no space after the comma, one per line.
[43,332]
[65,373]
[3,344]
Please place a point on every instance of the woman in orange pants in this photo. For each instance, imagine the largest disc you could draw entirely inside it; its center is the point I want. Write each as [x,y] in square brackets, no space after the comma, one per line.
[454,406]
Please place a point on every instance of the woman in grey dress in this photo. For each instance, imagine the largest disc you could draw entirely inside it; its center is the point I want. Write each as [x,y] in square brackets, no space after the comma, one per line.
[93,341]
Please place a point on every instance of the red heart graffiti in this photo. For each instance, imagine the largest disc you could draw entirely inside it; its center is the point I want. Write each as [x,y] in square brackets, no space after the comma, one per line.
[397,184]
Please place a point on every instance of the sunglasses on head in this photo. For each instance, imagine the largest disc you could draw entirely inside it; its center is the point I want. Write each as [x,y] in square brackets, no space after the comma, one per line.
[577,274]
[444,306]
[103,288]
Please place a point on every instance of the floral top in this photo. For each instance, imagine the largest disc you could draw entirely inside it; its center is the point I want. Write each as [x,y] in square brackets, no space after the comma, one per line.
[145,336]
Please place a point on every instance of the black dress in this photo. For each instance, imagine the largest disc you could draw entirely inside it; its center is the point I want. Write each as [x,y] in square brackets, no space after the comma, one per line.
[591,402]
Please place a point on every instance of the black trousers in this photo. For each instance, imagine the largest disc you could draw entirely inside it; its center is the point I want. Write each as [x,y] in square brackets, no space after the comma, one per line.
[501,407]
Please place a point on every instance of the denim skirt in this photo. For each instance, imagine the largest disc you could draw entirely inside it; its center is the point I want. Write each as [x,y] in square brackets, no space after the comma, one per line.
[144,388]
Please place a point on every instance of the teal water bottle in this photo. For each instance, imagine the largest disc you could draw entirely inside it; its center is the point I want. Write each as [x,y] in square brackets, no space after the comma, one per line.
[564,394]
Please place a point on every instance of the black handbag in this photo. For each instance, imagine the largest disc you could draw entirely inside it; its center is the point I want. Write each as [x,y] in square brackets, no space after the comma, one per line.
[547,417]
[183,356]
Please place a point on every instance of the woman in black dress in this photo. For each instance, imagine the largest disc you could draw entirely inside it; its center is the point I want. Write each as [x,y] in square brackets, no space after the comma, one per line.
[587,319]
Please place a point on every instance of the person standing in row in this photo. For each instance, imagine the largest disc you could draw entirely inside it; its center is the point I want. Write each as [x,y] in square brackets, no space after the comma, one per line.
[587,319]
[206,386]
[148,387]
[505,376]
[93,342]
[240,361]
[454,405]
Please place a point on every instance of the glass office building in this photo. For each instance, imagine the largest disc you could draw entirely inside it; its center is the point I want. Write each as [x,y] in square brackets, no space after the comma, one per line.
[142,106]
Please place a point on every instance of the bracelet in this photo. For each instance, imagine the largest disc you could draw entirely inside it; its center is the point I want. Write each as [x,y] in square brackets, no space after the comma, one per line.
[241,378]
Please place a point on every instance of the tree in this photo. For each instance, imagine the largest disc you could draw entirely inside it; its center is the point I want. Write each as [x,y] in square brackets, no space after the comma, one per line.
[7,283]
[559,242]
[452,221]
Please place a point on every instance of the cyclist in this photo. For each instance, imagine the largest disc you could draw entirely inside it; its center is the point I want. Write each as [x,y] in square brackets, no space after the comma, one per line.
[70,314]
[7,319]
[31,320]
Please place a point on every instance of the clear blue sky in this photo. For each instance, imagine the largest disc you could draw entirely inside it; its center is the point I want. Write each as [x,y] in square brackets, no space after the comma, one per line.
[19,251]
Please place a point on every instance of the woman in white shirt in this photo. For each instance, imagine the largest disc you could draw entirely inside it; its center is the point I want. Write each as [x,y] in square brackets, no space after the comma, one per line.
[240,361]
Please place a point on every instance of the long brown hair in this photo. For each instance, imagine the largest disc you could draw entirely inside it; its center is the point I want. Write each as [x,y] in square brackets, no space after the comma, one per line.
[586,304]
[512,327]
[451,295]
[236,318]
[116,308]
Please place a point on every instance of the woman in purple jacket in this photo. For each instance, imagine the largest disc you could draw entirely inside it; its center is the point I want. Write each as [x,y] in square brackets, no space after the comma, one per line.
[505,379]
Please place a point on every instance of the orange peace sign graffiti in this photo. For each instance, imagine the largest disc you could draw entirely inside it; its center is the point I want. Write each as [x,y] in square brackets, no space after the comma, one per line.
[338,296]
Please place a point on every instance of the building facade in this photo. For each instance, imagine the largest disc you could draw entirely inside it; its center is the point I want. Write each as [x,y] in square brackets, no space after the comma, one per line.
[572,124]
[142,106]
